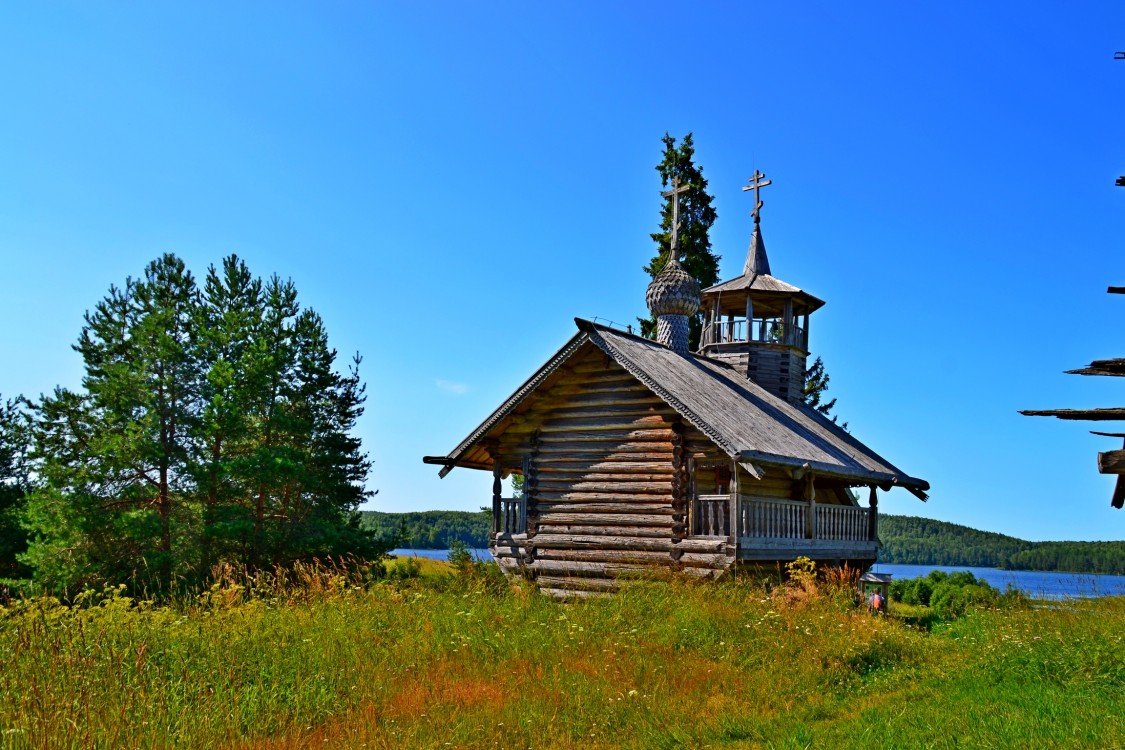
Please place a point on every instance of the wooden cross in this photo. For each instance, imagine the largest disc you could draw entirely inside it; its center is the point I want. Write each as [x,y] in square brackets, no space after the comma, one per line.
[757,182]
[674,194]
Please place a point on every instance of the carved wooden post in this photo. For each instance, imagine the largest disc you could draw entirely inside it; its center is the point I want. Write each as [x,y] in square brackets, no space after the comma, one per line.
[713,328]
[749,318]
[732,510]
[873,516]
[788,315]
[805,343]
[497,471]
[810,495]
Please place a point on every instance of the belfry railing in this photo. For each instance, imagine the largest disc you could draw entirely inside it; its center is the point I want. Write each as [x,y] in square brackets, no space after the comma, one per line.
[761,330]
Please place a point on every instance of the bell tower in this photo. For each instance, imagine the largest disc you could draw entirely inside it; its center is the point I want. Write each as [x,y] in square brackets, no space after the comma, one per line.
[756,322]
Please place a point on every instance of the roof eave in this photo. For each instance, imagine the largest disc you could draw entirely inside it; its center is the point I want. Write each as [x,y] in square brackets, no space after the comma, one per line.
[916,486]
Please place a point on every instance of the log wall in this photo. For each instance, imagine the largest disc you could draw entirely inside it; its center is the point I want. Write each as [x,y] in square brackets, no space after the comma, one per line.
[777,368]
[608,484]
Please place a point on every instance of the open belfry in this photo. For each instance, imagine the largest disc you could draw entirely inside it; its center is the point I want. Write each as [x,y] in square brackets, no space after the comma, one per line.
[640,454]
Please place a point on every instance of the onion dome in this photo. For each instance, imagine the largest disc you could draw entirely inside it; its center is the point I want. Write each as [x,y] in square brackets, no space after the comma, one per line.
[673,292]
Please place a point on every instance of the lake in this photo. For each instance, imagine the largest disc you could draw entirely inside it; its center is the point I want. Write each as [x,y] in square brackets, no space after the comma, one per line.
[1034,583]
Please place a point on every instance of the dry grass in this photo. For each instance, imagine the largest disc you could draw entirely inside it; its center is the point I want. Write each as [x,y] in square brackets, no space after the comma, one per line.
[333,657]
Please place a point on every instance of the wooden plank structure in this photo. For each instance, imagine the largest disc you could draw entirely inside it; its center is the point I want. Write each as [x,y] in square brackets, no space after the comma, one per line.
[1110,462]
[639,456]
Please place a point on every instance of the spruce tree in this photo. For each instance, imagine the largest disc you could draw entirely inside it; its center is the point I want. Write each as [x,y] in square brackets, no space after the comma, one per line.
[816,385]
[696,218]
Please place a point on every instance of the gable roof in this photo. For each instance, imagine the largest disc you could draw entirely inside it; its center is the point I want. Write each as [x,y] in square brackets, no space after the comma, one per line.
[740,417]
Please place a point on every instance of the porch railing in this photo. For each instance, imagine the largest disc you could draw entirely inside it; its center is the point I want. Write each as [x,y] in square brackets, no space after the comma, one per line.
[842,522]
[508,516]
[774,519]
[790,519]
[712,515]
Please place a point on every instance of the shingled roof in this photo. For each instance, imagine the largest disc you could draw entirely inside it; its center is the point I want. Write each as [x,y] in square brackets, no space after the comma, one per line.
[756,278]
[742,418]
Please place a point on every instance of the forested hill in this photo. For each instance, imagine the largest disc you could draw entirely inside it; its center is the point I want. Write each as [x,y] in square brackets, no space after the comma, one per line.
[921,541]
[906,540]
[432,529]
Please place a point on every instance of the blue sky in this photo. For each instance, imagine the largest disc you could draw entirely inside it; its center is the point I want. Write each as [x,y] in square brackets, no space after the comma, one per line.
[449,185]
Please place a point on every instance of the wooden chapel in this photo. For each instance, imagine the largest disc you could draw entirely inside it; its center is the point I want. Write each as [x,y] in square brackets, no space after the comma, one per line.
[639,454]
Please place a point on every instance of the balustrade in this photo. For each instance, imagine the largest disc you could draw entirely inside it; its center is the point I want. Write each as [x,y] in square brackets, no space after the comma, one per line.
[510,516]
[767,330]
[712,515]
[789,519]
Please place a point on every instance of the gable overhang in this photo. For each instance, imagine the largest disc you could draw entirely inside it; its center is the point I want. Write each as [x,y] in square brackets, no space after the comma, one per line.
[456,457]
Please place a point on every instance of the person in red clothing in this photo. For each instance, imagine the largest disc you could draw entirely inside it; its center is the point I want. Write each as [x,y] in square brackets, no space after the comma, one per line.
[877,602]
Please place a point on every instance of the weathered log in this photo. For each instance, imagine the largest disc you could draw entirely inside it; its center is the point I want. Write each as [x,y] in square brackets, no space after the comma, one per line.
[606,519]
[612,437]
[511,564]
[621,507]
[687,559]
[1111,367]
[545,496]
[586,584]
[1092,415]
[595,455]
[582,411]
[622,486]
[576,568]
[610,450]
[656,532]
[611,422]
[555,424]
[637,557]
[584,541]
[575,593]
[550,464]
[1119,492]
[1112,462]
[589,476]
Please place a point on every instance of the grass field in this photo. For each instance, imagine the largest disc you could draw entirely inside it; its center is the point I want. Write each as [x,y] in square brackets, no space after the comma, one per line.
[425,658]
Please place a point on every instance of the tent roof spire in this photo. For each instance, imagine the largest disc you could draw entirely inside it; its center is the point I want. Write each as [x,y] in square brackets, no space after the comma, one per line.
[757,262]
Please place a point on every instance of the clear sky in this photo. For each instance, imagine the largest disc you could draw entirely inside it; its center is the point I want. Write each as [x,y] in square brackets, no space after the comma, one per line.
[450,184]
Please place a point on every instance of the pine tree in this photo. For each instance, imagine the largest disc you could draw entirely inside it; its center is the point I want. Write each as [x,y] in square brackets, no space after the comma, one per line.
[230,322]
[696,218]
[816,385]
[213,427]
[15,482]
[116,460]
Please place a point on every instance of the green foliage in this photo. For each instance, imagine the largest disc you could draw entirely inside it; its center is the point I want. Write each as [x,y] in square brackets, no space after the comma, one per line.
[212,429]
[432,529]
[951,595]
[15,482]
[816,385]
[922,541]
[696,218]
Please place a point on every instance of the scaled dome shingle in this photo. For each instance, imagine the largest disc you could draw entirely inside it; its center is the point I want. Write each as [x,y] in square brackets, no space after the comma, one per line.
[673,292]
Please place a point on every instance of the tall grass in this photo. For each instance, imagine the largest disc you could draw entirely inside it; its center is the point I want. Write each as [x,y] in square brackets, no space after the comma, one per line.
[347,657]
